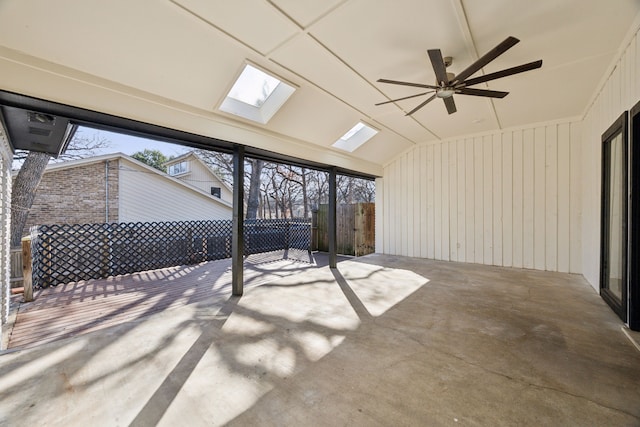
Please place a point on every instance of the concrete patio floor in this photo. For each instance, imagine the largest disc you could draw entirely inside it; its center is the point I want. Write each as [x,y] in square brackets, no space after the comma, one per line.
[379,341]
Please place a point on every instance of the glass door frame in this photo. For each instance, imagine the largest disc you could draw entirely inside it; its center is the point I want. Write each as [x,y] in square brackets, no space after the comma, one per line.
[619,127]
[634,213]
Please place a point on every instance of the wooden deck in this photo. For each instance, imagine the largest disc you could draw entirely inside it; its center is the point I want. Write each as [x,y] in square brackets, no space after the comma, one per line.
[80,307]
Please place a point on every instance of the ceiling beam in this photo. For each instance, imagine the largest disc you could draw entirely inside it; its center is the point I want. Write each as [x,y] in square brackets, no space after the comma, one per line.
[470,45]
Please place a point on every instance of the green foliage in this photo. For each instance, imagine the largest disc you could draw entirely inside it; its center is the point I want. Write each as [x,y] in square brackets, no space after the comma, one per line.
[153,158]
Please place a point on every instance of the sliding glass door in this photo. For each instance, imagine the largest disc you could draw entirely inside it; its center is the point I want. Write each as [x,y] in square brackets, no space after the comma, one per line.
[613,265]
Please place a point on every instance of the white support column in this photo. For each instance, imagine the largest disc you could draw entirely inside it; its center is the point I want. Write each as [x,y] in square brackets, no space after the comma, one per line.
[5,224]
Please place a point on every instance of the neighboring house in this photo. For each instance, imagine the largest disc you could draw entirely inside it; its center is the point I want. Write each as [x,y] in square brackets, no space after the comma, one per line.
[191,169]
[118,188]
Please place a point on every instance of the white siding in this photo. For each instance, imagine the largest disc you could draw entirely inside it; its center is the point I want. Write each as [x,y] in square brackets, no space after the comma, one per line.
[146,196]
[201,177]
[509,198]
[5,223]
[620,92]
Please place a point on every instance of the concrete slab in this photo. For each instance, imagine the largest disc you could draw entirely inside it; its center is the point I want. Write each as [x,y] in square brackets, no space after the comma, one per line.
[379,341]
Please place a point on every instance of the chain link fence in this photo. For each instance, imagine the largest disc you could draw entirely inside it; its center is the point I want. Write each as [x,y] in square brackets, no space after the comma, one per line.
[72,252]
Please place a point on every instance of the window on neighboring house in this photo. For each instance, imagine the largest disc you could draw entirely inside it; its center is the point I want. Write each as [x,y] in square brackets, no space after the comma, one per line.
[178,168]
[215,191]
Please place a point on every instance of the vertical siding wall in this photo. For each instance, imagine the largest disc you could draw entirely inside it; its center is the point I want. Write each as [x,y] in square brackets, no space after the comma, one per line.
[5,224]
[146,196]
[511,198]
[620,92]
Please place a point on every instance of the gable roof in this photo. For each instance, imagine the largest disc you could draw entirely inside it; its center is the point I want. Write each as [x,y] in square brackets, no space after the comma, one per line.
[196,157]
[121,156]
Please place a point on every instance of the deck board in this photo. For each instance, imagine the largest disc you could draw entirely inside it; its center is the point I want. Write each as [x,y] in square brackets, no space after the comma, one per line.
[80,307]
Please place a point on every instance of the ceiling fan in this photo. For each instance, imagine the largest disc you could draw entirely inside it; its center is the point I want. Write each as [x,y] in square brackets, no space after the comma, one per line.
[448,84]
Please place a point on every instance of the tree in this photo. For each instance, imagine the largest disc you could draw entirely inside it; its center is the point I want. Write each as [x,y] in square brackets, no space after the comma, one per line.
[153,158]
[26,183]
[222,164]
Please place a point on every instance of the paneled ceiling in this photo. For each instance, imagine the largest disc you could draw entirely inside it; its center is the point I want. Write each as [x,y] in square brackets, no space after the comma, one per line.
[171,62]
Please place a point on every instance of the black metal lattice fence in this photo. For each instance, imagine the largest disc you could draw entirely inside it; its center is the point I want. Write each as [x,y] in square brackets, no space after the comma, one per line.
[72,252]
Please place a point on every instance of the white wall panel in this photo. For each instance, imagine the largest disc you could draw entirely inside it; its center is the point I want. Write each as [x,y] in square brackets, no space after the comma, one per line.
[528,187]
[496,158]
[509,198]
[437,201]
[563,197]
[453,201]
[478,202]
[518,200]
[620,93]
[461,194]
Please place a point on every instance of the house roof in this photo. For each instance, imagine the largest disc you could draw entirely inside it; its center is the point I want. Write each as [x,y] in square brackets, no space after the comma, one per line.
[196,157]
[121,156]
[175,69]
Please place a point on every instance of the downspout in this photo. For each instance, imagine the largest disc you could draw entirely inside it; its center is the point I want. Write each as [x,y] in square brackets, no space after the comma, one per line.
[106,191]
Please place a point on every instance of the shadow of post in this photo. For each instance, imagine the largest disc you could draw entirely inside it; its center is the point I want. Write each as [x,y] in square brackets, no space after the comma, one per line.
[157,405]
[351,296]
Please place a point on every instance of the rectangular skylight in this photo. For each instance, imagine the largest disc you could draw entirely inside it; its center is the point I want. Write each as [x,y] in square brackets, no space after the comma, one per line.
[256,95]
[355,137]
[253,87]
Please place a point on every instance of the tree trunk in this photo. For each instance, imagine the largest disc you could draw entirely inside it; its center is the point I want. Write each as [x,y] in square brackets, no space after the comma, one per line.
[24,192]
[253,200]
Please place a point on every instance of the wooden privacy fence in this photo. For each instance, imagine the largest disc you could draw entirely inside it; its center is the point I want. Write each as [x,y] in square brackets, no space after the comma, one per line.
[72,252]
[355,225]
[16,267]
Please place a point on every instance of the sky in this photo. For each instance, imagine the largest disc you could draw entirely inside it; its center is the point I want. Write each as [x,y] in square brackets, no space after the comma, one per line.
[121,143]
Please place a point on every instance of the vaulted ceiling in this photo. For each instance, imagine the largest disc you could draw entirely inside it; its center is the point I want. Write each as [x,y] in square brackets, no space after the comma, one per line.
[171,63]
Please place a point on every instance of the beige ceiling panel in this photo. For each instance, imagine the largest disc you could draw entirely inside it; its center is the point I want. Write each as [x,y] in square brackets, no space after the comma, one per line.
[557,32]
[576,39]
[254,22]
[474,115]
[304,12]
[541,97]
[390,40]
[314,116]
[306,57]
[382,147]
[172,55]
[405,126]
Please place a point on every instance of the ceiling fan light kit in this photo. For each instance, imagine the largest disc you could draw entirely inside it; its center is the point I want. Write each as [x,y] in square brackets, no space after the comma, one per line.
[448,84]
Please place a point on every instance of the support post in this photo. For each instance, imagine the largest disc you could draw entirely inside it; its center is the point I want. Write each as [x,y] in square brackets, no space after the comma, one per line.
[237,240]
[27,282]
[332,222]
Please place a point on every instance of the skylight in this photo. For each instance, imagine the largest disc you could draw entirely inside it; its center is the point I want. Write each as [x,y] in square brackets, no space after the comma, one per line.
[253,87]
[355,137]
[256,95]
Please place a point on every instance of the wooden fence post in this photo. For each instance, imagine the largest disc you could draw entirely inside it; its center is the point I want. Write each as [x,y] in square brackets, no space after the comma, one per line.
[26,269]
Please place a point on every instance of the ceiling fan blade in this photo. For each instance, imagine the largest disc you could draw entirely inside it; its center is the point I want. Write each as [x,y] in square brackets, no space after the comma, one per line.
[406,97]
[504,73]
[396,82]
[431,98]
[438,66]
[488,57]
[482,92]
[450,104]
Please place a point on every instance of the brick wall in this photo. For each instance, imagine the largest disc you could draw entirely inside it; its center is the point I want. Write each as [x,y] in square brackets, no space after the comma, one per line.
[76,196]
